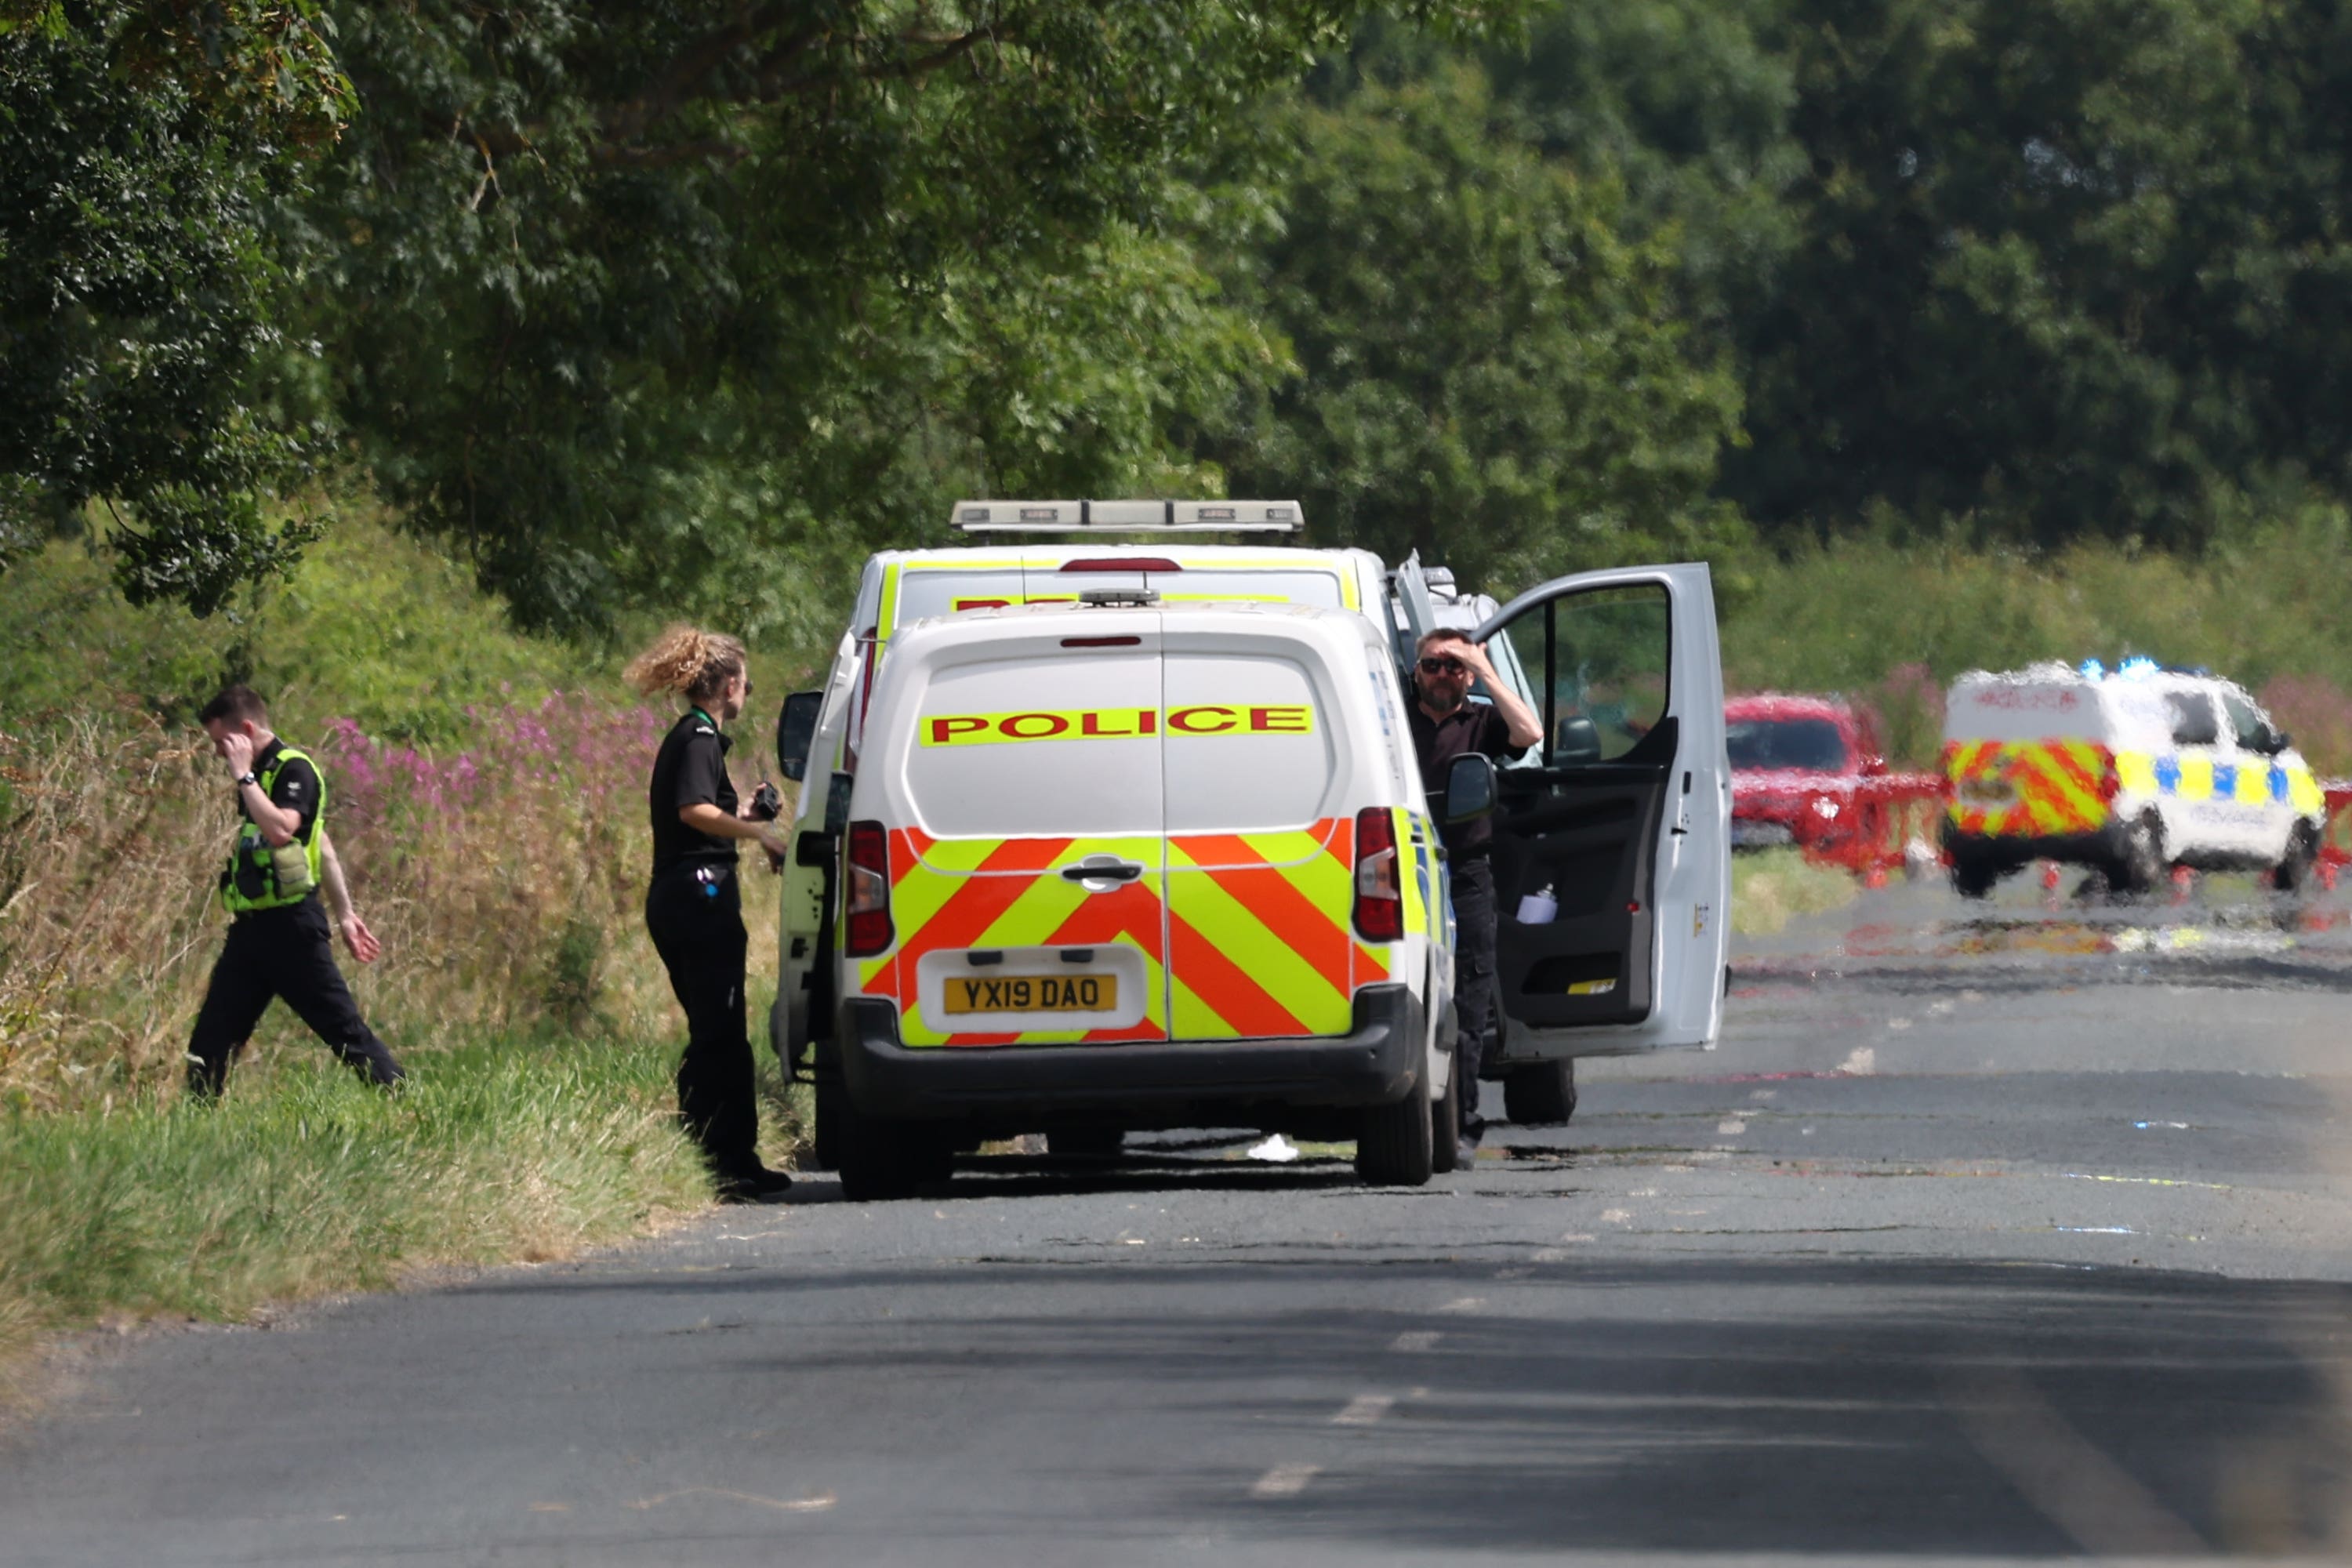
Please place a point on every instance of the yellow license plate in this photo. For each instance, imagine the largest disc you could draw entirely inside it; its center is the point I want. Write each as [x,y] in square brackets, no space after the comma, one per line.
[1032,993]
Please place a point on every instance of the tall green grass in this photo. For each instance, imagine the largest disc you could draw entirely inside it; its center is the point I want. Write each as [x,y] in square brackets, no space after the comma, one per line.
[303,1182]
[487,794]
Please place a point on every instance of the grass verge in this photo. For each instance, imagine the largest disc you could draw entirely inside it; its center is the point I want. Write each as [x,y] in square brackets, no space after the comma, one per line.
[1772,886]
[303,1183]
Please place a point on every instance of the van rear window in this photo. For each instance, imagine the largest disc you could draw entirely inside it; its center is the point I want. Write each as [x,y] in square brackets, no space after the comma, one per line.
[1250,743]
[928,592]
[925,594]
[1066,747]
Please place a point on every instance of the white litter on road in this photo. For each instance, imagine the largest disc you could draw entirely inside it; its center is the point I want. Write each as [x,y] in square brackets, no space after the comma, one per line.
[1278,1148]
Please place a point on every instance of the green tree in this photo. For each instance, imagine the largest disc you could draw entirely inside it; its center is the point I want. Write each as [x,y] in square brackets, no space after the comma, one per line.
[660,297]
[2060,270]
[1492,370]
[140,148]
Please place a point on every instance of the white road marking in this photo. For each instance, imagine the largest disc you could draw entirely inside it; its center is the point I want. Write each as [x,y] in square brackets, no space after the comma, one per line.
[1860,1064]
[1284,1480]
[1615,1216]
[1464,1304]
[1731,1127]
[816,1504]
[2070,1479]
[1763,1094]
[1364,1409]
[1414,1342]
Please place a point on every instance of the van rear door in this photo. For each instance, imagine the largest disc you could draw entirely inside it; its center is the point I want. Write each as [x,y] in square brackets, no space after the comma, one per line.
[1623,812]
[1260,875]
[1027,877]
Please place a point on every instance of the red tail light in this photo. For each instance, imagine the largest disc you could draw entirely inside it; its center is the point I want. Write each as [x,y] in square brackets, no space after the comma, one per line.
[869,932]
[1379,896]
[2111,781]
[1121,563]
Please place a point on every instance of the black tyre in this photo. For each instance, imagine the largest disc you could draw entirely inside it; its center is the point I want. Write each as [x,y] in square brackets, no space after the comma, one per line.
[1086,1142]
[882,1160]
[824,1138]
[1445,1125]
[1541,1094]
[2292,873]
[1393,1143]
[2142,863]
[1972,874]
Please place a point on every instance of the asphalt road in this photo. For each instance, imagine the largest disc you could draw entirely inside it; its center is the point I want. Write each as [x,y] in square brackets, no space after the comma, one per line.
[2018,1231]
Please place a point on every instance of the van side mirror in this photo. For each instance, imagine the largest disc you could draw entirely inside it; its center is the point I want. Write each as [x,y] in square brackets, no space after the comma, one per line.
[796,733]
[1469,788]
[1577,743]
[2274,741]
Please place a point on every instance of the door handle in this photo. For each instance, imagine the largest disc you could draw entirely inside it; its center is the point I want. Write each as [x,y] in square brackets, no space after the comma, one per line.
[1103,871]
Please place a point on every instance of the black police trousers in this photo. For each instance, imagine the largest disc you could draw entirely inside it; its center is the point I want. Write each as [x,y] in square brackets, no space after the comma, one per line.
[282,952]
[1473,882]
[695,912]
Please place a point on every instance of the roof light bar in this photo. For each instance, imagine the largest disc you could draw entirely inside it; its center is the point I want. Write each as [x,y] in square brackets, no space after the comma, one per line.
[1128,516]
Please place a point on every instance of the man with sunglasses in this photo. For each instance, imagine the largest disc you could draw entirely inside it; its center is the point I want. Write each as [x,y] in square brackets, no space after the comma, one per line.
[1445,725]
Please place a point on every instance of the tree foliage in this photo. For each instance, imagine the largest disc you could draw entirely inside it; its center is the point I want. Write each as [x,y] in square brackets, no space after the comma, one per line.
[2039,272]
[144,146]
[639,299]
[1492,367]
[692,301]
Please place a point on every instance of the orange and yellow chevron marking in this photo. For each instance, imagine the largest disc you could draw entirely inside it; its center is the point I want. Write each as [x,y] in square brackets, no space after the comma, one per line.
[956,893]
[1243,935]
[2031,788]
[1258,934]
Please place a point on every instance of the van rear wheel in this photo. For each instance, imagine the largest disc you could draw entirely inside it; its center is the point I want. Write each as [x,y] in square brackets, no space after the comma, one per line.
[1393,1147]
[1541,1094]
[1445,1125]
[882,1160]
[1972,874]
[2142,863]
[2302,854]
[824,1137]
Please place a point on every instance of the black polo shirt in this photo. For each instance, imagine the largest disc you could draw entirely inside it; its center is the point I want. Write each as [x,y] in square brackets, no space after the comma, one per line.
[690,769]
[1472,727]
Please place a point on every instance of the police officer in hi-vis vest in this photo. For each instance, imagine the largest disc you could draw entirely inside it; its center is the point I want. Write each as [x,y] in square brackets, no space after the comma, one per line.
[694,910]
[278,943]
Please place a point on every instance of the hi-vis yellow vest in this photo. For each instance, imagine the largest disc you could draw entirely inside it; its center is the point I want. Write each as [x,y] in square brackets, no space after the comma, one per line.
[260,877]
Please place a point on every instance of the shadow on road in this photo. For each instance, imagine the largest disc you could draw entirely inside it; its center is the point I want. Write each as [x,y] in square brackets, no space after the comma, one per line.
[1713,1405]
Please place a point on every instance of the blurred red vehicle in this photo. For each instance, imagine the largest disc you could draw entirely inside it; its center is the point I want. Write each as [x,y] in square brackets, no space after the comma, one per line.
[1798,770]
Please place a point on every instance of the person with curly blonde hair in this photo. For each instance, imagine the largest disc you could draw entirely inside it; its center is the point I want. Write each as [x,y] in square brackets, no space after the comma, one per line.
[694,909]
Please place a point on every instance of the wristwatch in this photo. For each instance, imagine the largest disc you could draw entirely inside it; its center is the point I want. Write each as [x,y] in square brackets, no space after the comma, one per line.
[246,778]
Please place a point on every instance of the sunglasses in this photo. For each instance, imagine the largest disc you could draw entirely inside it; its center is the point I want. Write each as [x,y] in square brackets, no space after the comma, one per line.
[1442,666]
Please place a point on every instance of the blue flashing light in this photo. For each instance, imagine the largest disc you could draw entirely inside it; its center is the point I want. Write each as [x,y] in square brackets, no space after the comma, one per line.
[2092,669]
[2138,667]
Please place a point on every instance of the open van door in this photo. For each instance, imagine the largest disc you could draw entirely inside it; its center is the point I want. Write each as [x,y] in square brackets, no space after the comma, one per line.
[1413,603]
[1623,814]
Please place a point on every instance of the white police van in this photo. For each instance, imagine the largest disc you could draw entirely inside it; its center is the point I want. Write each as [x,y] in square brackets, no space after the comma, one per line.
[2129,772]
[1622,814]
